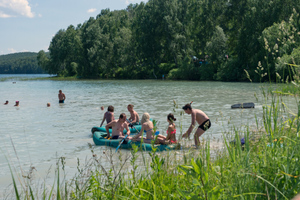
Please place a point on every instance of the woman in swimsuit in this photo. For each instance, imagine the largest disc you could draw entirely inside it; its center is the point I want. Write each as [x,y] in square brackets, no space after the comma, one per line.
[147,127]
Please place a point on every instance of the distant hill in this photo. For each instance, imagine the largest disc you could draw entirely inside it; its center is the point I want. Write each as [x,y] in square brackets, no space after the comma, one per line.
[20,63]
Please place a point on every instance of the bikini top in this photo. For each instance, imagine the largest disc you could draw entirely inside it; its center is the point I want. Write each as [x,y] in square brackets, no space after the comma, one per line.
[173,132]
[148,130]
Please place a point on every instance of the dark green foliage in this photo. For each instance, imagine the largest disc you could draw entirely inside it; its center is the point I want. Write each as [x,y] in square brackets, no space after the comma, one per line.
[20,63]
[194,40]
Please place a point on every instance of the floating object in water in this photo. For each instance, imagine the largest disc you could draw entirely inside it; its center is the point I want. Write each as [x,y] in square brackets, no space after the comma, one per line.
[243,105]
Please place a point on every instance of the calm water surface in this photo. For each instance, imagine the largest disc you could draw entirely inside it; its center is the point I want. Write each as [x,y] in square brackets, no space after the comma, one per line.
[36,135]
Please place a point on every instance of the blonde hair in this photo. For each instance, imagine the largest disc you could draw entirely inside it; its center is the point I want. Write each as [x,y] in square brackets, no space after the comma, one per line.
[145,118]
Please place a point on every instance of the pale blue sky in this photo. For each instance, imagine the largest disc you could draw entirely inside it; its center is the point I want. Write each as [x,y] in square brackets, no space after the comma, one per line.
[29,25]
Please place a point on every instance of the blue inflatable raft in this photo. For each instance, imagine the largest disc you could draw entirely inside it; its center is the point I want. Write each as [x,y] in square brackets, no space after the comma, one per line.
[99,139]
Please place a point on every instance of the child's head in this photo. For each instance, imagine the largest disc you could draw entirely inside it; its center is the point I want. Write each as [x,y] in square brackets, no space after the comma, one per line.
[145,118]
[122,117]
[171,117]
[130,107]
[110,109]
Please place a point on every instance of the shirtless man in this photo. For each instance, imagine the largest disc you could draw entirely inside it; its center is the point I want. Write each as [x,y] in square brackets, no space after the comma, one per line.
[201,118]
[61,97]
[118,127]
[134,117]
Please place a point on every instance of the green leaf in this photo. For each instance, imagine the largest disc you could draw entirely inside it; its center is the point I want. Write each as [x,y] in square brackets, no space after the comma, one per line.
[196,167]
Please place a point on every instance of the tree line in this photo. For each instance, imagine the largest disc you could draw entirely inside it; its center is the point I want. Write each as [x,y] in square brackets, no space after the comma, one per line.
[20,63]
[182,39]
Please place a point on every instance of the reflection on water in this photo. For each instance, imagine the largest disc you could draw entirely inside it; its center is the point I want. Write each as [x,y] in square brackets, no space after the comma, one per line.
[41,134]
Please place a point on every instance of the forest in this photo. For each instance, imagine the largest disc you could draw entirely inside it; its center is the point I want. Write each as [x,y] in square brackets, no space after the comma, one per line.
[20,63]
[215,40]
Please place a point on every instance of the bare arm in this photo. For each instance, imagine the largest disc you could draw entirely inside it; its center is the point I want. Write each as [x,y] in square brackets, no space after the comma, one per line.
[140,133]
[188,132]
[127,129]
[64,96]
[192,123]
[135,118]
[102,120]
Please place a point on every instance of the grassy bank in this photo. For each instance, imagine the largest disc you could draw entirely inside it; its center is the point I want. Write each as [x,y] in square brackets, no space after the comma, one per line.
[265,167]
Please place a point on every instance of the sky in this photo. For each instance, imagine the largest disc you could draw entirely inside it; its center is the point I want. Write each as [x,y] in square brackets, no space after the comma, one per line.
[29,25]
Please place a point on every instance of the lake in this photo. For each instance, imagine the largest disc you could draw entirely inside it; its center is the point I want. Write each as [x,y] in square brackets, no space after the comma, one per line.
[36,135]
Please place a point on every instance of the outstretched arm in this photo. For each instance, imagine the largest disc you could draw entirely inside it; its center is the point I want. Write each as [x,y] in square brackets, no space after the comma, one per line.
[127,129]
[140,133]
[188,132]
[102,120]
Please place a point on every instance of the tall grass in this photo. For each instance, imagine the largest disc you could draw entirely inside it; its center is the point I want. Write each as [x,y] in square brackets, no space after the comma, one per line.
[265,167]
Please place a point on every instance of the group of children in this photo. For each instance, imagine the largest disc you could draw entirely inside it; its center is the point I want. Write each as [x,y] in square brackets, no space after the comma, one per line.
[119,125]
[61,97]
[17,103]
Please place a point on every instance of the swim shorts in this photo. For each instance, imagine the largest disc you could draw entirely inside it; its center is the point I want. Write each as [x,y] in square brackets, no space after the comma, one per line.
[61,101]
[205,125]
[115,137]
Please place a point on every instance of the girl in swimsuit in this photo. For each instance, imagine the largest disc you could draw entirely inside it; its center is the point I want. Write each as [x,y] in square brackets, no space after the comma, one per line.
[171,138]
[147,127]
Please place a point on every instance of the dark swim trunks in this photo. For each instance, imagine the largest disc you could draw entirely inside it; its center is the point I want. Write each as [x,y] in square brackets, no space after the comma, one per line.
[205,125]
[61,101]
[115,137]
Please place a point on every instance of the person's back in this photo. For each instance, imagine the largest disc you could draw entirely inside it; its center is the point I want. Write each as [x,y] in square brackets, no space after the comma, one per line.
[109,116]
[200,116]
[148,129]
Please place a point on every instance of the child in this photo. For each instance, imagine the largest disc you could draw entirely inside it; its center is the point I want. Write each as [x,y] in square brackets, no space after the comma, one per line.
[147,127]
[17,103]
[109,115]
[171,138]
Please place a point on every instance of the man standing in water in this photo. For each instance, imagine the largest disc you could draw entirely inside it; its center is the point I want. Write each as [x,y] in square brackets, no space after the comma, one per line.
[61,97]
[134,117]
[117,127]
[201,118]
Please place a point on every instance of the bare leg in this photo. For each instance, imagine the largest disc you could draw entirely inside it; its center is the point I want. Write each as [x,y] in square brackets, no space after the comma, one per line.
[198,133]
[160,140]
[137,139]
[161,137]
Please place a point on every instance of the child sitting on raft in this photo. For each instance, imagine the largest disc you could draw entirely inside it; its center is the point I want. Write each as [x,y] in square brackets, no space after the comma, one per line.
[171,138]
[147,127]
[109,115]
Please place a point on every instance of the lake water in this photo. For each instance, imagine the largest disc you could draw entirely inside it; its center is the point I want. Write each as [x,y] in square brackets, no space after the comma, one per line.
[36,135]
